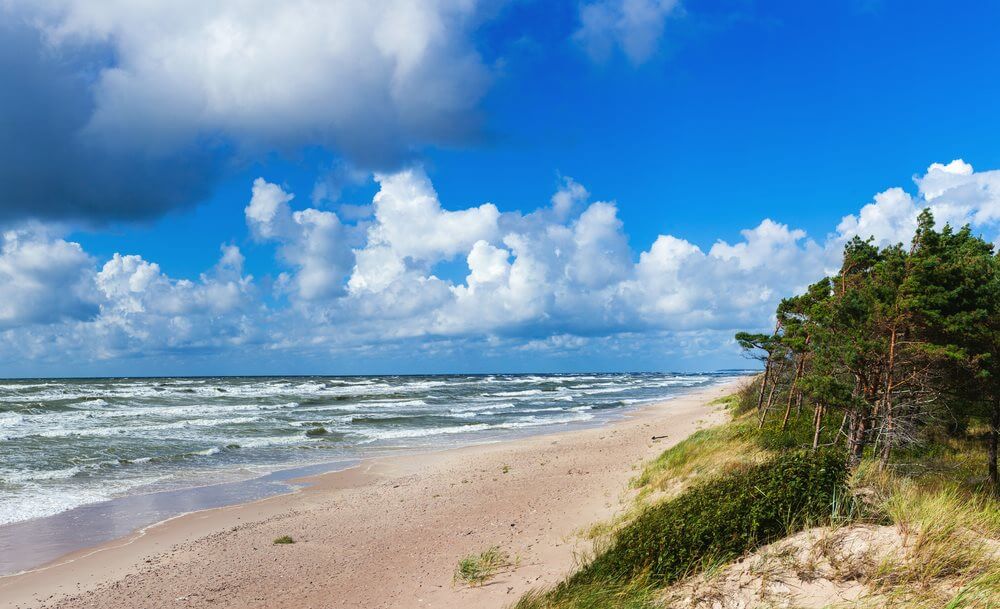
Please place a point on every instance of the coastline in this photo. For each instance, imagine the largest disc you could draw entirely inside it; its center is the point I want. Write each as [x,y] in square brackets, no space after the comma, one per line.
[384,533]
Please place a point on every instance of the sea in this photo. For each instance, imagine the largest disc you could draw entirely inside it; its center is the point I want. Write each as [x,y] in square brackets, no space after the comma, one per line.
[69,444]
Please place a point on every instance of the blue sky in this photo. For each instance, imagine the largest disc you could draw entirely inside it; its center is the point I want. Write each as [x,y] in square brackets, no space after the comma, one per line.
[694,120]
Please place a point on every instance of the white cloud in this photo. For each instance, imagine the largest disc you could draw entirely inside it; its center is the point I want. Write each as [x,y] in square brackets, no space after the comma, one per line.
[313,241]
[412,230]
[681,287]
[560,276]
[890,218]
[143,309]
[635,26]
[269,215]
[568,198]
[488,264]
[601,254]
[954,192]
[43,279]
[370,79]
[410,219]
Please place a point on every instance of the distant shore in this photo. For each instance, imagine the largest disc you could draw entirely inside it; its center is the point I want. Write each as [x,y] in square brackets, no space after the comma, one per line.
[386,533]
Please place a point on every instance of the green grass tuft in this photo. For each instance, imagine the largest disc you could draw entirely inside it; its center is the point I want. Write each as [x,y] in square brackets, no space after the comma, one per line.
[477,569]
[284,539]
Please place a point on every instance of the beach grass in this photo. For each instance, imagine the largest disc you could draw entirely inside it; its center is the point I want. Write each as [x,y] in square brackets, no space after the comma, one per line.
[477,569]
[283,540]
[950,526]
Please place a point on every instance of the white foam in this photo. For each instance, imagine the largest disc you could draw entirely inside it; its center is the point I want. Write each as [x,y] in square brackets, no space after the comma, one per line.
[37,501]
[529,421]
[511,394]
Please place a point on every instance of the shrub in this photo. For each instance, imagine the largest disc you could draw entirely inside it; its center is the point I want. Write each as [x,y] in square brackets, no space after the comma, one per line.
[284,539]
[720,519]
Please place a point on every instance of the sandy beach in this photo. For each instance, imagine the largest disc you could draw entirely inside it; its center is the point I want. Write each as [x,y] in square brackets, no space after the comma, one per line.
[387,533]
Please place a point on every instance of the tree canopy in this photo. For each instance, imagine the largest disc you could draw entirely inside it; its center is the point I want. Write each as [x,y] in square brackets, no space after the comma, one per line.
[901,339]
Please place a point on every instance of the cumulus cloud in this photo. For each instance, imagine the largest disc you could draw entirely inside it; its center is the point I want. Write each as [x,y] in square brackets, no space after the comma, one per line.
[732,285]
[634,26]
[954,192]
[132,286]
[143,311]
[313,241]
[43,279]
[566,268]
[411,222]
[126,109]
[561,277]
[60,306]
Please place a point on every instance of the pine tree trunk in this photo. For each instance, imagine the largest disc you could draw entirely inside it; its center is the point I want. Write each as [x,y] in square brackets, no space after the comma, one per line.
[775,377]
[840,432]
[856,437]
[767,405]
[763,382]
[992,448]
[888,426]
[817,422]
[791,391]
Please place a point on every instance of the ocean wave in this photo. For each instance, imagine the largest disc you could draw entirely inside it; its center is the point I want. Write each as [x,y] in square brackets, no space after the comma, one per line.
[511,394]
[397,402]
[74,437]
[38,501]
[493,407]
[477,427]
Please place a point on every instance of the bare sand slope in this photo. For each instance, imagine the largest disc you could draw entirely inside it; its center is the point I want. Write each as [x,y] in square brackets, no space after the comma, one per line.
[387,533]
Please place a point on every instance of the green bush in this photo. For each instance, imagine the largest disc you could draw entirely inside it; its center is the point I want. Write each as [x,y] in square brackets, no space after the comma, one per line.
[720,520]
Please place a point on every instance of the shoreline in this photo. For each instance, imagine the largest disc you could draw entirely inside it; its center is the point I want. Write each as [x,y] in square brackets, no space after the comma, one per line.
[362,511]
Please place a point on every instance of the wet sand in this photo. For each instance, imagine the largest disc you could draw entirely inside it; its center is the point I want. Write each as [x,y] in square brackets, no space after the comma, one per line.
[386,533]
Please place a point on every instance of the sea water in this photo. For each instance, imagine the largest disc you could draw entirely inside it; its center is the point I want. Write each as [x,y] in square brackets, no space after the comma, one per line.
[67,443]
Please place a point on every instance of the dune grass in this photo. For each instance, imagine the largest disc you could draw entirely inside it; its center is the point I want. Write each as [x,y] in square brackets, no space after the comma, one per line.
[477,569]
[950,525]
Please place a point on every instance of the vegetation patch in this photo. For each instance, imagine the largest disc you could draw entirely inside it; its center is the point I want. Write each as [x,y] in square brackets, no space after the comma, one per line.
[722,518]
[477,569]
[283,540]
[950,525]
[705,453]
[710,523]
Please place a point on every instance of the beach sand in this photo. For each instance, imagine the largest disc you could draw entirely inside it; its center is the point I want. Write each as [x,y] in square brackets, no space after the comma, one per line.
[387,533]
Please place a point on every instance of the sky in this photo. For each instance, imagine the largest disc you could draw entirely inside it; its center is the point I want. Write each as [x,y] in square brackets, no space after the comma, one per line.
[396,187]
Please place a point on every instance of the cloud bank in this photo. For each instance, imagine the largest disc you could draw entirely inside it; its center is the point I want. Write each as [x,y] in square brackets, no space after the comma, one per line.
[126,109]
[562,277]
